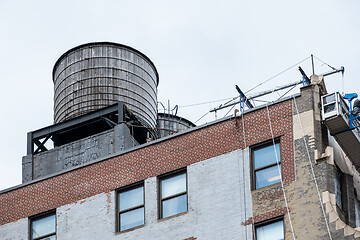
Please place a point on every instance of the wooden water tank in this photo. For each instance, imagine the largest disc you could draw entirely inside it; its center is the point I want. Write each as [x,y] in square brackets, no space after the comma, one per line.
[95,75]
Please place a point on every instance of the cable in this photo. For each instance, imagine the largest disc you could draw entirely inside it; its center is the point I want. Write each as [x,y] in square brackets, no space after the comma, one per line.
[197,104]
[312,170]
[287,92]
[277,74]
[202,117]
[279,169]
[325,63]
[230,110]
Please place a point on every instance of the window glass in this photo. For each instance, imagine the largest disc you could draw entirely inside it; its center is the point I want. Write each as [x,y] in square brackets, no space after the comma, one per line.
[267,176]
[132,198]
[329,108]
[131,219]
[174,206]
[329,98]
[265,165]
[357,212]
[43,226]
[271,231]
[131,207]
[173,195]
[338,189]
[266,155]
[174,185]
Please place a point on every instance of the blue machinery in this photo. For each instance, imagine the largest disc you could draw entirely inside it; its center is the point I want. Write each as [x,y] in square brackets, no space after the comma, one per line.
[353,116]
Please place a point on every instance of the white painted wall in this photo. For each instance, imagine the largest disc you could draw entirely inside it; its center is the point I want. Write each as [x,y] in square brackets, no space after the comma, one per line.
[15,231]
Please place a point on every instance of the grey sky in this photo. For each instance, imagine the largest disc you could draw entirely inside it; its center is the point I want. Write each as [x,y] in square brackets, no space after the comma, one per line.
[200,48]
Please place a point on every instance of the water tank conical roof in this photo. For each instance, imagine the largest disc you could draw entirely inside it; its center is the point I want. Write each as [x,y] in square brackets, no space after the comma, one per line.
[95,75]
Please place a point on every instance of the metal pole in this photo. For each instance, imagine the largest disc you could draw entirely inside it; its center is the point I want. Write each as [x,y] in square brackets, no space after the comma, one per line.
[312,62]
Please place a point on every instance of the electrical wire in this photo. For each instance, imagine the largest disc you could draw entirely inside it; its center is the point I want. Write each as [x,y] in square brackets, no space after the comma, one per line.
[203,103]
[277,74]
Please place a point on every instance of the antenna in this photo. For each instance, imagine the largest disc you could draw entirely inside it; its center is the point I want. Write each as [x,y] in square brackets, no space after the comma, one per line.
[306,80]
[256,96]
[243,99]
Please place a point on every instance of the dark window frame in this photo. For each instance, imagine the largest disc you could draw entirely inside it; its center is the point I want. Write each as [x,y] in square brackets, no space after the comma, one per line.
[117,207]
[357,212]
[38,217]
[254,170]
[268,222]
[339,177]
[161,200]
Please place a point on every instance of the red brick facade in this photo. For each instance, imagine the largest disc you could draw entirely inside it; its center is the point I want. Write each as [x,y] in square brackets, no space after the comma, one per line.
[265,216]
[152,160]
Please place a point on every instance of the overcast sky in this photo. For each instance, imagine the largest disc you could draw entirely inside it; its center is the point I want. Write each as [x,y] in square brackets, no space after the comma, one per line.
[201,49]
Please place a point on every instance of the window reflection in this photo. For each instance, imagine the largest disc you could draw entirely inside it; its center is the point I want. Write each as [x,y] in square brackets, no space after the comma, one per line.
[270,231]
[132,219]
[44,227]
[131,208]
[266,165]
[173,195]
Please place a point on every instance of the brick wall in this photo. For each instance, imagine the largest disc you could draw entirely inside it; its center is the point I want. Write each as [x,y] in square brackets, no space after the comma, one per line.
[152,160]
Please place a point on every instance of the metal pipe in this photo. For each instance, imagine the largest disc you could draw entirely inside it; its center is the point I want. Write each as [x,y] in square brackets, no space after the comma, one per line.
[342,69]
[312,63]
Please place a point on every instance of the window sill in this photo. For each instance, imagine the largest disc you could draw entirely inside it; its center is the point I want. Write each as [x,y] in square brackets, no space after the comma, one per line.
[275,185]
[129,230]
[173,216]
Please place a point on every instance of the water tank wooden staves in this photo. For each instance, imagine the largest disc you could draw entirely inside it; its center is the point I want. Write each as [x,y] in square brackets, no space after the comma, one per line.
[95,75]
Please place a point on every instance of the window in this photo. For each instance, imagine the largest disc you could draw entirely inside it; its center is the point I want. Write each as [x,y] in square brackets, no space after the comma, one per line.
[265,168]
[338,189]
[131,207]
[273,230]
[43,227]
[173,194]
[357,212]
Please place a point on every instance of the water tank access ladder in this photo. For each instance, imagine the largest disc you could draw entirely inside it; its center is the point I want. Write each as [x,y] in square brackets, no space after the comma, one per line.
[336,117]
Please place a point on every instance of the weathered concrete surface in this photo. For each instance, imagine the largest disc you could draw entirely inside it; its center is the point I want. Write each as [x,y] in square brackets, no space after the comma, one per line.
[15,231]
[77,153]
